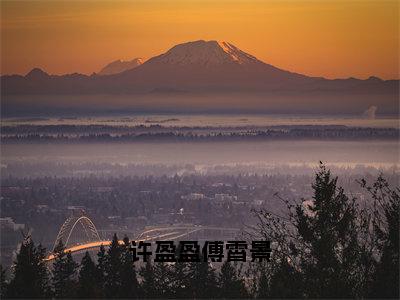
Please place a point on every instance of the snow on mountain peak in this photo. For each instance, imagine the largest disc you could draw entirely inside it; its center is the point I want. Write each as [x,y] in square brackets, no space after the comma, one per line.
[236,54]
[206,53]
[119,66]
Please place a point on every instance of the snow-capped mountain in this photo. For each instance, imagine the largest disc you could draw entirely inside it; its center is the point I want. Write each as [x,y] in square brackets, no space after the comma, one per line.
[202,65]
[119,66]
[213,68]
[205,53]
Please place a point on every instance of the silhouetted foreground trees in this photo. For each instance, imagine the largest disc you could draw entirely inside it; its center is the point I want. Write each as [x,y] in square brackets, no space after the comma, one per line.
[330,246]
[115,276]
[333,246]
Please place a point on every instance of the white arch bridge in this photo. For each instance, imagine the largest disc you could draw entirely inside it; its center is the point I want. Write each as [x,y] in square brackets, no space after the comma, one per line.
[93,238]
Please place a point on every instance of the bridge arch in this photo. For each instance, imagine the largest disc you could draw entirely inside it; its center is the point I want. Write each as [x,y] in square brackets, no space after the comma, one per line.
[69,225]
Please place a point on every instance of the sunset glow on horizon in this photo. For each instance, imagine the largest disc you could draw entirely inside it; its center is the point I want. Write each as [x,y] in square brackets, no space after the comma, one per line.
[333,39]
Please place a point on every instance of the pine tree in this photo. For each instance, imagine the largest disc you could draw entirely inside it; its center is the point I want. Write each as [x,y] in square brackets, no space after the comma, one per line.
[385,279]
[202,280]
[88,283]
[230,285]
[148,284]
[129,282]
[30,274]
[285,282]
[317,244]
[101,270]
[64,273]
[328,229]
[113,267]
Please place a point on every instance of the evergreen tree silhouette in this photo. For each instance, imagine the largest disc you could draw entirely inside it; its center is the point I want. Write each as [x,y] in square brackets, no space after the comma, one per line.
[230,285]
[328,228]
[113,268]
[202,280]
[285,282]
[385,281]
[64,273]
[101,270]
[30,274]
[129,282]
[87,280]
[318,252]
[148,284]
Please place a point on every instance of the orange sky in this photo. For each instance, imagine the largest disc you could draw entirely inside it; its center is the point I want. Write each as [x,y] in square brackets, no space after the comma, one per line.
[320,38]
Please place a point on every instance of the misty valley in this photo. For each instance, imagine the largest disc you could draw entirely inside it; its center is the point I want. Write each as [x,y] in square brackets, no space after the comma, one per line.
[137,172]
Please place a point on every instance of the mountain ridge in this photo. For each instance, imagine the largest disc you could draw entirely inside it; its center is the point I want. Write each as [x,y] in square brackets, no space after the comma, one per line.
[141,61]
[119,66]
[197,66]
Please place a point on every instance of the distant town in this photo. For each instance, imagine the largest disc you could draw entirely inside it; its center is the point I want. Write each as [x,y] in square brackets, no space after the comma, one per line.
[133,203]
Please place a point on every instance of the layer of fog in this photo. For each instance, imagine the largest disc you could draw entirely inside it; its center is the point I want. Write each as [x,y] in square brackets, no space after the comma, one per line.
[368,119]
[203,156]
[276,102]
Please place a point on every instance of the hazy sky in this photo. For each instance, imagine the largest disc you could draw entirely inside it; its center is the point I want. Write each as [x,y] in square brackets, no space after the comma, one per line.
[320,38]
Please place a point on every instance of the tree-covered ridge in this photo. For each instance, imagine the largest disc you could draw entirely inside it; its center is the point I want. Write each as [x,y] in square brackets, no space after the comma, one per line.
[330,246]
[157,133]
